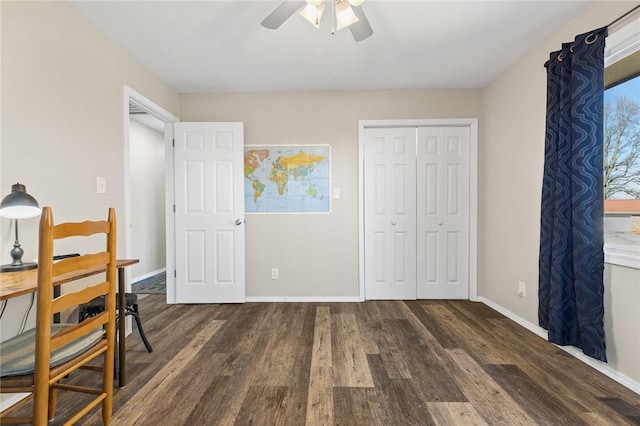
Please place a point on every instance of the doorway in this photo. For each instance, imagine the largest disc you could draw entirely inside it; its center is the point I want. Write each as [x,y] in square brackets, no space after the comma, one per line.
[146,171]
[163,120]
[418,214]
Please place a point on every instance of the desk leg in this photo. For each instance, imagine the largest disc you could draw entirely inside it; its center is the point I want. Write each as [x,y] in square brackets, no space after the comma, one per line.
[56,294]
[122,377]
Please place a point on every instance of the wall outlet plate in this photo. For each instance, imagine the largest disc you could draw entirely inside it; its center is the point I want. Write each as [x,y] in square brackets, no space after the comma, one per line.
[101,185]
[522,289]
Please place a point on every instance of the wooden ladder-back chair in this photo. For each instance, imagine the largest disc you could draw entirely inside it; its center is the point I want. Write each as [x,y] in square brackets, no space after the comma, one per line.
[62,348]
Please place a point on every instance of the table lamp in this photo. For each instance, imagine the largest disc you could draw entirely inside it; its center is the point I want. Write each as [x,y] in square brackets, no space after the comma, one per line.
[18,205]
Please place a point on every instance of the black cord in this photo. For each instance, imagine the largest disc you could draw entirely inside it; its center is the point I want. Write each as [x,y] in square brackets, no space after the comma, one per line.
[26,315]
[4,306]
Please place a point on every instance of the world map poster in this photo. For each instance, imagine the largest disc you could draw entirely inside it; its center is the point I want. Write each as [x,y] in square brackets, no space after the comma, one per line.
[287,179]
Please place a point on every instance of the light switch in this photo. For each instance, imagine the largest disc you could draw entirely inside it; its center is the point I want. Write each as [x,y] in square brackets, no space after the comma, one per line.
[336,192]
[101,185]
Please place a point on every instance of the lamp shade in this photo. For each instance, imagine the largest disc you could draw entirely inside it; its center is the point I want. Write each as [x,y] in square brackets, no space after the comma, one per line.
[344,14]
[18,204]
[313,14]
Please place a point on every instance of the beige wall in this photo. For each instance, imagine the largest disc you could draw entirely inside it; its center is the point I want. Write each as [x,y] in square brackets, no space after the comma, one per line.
[317,254]
[62,111]
[510,180]
[63,119]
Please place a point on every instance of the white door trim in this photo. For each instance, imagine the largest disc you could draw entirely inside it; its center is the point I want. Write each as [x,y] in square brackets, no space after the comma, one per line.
[160,113]
[472,124]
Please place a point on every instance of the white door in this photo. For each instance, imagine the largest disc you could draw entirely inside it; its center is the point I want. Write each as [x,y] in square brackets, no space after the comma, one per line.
[443,213]
[209,213]
[390,213]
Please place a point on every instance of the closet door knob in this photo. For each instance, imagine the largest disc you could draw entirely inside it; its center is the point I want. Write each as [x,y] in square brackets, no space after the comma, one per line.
[238,222]
[393,223]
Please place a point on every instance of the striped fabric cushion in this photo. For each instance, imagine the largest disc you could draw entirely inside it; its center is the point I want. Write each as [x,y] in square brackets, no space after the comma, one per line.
[17,354]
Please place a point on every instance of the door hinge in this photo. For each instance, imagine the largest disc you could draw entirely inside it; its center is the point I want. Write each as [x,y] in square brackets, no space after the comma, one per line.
[174,208]
[173,143]
[175,274]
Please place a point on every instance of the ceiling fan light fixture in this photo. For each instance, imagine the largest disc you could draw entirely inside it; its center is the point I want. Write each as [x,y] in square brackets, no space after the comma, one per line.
[344,14]
[313,13]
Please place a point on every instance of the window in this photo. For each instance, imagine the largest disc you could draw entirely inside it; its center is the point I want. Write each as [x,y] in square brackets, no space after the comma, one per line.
[622,146]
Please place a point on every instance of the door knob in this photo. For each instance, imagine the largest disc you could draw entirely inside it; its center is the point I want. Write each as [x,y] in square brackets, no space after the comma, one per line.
[238,222]
[393,223]
[440,223]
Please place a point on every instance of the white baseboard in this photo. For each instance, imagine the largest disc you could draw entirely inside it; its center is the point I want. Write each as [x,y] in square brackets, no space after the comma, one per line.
[303,299]
[598,365]
[148,275]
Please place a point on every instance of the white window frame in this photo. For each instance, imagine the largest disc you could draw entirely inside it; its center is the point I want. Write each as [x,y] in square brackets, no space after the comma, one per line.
[620,44]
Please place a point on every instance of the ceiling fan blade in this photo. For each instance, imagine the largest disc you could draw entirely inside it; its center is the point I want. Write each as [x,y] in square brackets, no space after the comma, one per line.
[281,14]
[361,29]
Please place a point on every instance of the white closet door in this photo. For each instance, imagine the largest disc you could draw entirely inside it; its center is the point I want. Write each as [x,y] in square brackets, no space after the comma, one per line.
[390,213]
[443,213]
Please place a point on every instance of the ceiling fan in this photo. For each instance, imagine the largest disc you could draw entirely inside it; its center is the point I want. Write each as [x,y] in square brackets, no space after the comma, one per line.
[344,13]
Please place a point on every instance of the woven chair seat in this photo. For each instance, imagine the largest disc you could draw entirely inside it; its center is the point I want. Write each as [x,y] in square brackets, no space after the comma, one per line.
[18,352]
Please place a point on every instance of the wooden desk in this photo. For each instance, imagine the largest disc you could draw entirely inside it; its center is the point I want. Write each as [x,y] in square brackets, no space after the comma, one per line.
[14,284]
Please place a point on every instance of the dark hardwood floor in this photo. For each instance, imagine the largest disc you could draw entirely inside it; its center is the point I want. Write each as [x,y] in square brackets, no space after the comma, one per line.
[373,363]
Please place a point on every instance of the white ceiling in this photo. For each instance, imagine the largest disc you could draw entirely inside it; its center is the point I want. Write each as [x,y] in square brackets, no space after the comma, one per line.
[220,46]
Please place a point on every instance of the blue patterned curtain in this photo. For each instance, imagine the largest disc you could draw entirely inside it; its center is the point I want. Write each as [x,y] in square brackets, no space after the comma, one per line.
[571,259]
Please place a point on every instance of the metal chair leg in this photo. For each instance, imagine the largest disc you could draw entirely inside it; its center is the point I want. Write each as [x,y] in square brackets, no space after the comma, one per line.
[134,312]
[131,309]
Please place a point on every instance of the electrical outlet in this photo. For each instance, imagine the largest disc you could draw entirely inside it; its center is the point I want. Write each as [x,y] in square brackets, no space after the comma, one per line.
[275,273]
[522,289]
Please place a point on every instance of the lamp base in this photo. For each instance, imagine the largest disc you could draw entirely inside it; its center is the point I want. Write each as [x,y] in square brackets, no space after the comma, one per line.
[15,268]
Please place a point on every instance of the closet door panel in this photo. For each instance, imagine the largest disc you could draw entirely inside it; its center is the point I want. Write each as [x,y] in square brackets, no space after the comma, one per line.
[443,212]
[390,213]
